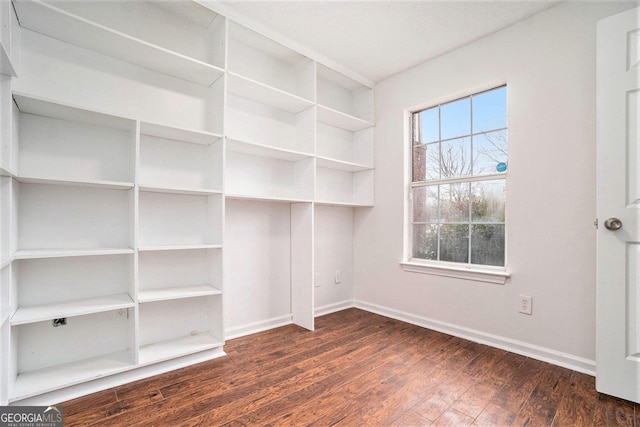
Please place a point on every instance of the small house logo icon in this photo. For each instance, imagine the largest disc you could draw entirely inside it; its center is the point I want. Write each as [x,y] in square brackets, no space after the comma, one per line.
[53,408]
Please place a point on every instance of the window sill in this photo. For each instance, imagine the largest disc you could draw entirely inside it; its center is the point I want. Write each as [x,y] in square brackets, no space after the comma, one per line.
[497,276]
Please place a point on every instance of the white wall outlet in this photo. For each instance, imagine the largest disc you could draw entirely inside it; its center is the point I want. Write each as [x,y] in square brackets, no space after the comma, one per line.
[338,278]
[316,281]
[121,313]
[524,304]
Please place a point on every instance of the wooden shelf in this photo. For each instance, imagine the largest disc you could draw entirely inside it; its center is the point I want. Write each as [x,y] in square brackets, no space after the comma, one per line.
[177,292]
[47,108]
[28,384]
[264,94]
[341,120]
[177,134]
[59,253]
[111,185]
[345,204]
[178,190]
[259,198]
[325,162]
[266,151]
[177,347]
[41,313]
[178,247]
[59,24]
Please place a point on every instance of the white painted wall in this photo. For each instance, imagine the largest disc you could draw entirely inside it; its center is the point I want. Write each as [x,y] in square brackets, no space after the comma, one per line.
[257,265]
[548,62]
[333,252]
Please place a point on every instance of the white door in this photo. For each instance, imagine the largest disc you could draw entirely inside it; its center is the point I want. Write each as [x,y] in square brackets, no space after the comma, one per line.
[618,174]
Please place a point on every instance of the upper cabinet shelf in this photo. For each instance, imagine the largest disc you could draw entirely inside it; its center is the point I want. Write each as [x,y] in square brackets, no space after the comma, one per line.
[342,101]
[72,146]
[179,161]
[265,94]
[192,50]
[8,38]
[341,120]
[266,151]
[275,71]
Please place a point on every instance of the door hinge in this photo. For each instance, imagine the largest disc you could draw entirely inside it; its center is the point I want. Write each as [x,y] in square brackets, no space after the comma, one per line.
[596,223]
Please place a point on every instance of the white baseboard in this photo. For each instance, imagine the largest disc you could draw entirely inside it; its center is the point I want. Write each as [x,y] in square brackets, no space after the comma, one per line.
[554,357]
[255,327]
[332,308]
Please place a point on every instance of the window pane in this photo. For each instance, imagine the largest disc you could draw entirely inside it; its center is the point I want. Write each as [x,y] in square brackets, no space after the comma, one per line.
[454,242]
[454,202]
[425,204]
[490,110]
[489,150]
[428,126]
[426,159]
[487,244]
[487,201]
[419,162]
[455,118]
[455,158]
[425,241]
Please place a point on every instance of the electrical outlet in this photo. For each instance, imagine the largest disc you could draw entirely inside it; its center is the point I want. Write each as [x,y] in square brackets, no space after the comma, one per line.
[121,313]
[338,278]
[524,304]
[317,282]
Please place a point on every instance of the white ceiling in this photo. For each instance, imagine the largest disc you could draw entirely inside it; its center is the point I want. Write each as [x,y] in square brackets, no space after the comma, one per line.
[377,39]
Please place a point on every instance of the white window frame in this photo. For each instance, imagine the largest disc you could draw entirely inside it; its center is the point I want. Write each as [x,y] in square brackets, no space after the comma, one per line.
[474,272]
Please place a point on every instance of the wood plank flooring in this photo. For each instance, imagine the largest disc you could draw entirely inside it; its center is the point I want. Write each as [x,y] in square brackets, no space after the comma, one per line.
[357,369]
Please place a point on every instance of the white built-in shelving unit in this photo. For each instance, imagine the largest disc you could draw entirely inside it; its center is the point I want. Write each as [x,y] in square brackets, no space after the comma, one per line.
[193,50]
[118,222]
[115,224]
[269,119]
[344,140]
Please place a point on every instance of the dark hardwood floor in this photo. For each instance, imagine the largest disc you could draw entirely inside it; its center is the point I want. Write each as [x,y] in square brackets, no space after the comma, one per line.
[357,369]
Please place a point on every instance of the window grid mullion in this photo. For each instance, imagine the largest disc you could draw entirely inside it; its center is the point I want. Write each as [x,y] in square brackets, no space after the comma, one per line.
[472,174]
[439,226]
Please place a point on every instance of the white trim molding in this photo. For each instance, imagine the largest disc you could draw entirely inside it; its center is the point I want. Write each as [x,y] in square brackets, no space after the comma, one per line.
[260,326]
[569,361]
[498,277]
[332,308]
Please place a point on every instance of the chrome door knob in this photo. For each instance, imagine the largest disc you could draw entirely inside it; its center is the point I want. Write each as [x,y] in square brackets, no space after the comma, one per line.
[613,224]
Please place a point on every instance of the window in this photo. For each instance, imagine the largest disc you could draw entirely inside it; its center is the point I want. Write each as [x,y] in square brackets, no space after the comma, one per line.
[457,190]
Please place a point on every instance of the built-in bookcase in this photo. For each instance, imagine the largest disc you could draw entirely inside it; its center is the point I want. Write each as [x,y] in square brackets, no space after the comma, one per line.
[269,119]
[344,145]
[114,225]
[111,220]
[193,50]
[268,72]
